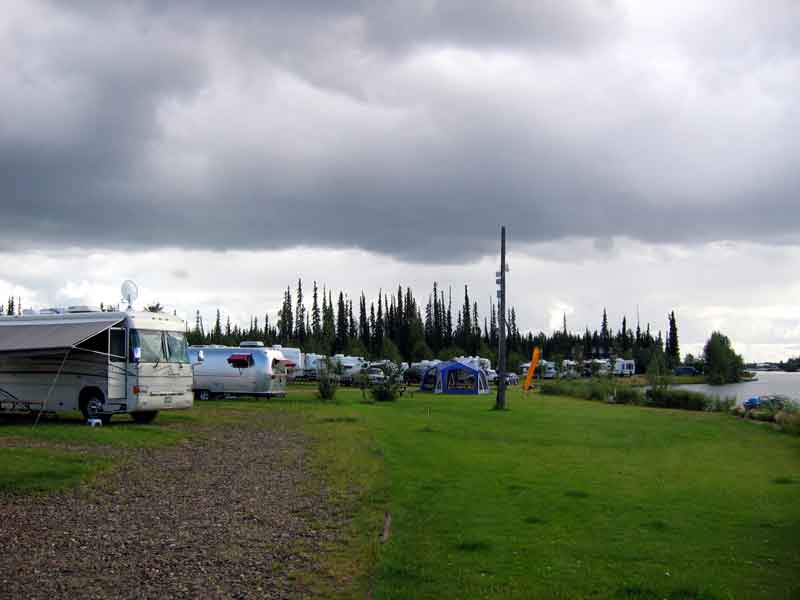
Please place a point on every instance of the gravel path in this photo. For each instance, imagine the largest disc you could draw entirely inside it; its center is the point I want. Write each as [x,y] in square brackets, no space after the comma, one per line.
[230,513]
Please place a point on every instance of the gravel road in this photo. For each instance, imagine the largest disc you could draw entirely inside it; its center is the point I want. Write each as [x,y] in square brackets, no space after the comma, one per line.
[229,513]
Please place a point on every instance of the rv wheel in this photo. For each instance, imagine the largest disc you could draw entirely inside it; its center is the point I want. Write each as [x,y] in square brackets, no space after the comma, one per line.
[91,407]
[202,395]
[145,416]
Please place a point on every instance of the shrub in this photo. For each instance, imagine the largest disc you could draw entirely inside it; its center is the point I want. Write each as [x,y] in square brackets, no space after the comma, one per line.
[626,394]
[788,421]
[671,398]
[389,389]
[717,404]
[328,381]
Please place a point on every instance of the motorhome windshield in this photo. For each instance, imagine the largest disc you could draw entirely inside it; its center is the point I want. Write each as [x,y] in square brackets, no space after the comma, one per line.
[176,347]
[158,346]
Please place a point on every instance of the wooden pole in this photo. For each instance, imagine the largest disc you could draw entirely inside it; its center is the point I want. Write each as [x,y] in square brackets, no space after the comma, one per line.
[500,403]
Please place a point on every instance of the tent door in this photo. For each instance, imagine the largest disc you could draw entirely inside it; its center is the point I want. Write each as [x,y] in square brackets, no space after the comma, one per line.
[117,364]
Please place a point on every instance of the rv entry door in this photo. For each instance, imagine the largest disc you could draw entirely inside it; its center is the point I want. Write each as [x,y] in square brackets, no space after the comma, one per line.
[117,364]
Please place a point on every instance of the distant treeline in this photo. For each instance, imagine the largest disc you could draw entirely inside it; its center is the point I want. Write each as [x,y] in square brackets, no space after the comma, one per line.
[396,326]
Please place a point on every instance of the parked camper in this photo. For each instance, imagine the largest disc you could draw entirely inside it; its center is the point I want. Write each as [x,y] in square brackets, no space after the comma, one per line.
[101,363]
[295,366]
[312,365]
[624,367]
[476,362]
[569,369]
[350,366]
[249,370]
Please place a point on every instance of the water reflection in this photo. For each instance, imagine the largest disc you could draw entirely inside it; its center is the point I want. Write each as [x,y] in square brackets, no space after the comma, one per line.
[770,382]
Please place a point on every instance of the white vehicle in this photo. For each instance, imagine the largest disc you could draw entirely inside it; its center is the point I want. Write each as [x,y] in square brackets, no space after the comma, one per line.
[569,369]
[313,364]
[249,370]
[624,367]
[296,363]
[547,369]
[100,363]
[350,366]
[476,362]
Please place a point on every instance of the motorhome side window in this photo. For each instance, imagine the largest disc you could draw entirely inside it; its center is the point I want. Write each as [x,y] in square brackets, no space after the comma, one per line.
[117,350]
[150,344]
[176,346]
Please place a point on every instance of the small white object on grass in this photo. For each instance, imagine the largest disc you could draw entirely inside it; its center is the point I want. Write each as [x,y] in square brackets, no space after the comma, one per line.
[94,422]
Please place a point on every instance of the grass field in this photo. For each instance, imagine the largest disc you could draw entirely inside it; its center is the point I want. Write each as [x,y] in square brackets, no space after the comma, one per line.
[555,498]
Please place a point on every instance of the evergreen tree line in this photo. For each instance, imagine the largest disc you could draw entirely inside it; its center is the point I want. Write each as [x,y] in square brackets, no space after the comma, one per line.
[11,307]
[397,327]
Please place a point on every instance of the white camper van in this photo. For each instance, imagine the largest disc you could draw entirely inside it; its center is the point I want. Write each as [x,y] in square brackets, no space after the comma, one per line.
[249,370]
[101,363]
[624,367]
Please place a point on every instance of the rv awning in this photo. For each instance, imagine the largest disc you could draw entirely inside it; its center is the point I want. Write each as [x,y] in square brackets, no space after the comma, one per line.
[47,335]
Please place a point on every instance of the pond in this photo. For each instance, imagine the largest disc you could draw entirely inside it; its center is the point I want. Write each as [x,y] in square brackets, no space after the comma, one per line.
[768,382]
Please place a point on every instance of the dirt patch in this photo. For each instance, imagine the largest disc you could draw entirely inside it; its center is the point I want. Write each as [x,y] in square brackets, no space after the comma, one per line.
[224,515]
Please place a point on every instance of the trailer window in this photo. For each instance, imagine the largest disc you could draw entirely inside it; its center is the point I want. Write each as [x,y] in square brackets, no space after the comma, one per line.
[150,344]
[176,346]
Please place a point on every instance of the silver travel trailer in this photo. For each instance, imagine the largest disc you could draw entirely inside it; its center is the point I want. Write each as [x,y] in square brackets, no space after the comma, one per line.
[295,361]
[100,363]
[248,370]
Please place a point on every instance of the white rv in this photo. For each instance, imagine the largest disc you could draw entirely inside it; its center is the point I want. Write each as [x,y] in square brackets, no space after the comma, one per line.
[249,370]
[350,366]
[101,363]
[313,364]
[569,369]
[624,367]
[476,362]
[295,362]
[547,369]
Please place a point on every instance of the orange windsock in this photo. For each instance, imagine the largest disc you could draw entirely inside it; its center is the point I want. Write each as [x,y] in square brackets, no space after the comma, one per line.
[534,361]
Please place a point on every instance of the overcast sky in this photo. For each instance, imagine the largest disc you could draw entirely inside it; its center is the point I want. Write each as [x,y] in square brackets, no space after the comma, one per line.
[642,154]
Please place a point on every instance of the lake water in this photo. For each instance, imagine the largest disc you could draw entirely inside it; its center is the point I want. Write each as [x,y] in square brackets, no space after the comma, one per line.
[769,382]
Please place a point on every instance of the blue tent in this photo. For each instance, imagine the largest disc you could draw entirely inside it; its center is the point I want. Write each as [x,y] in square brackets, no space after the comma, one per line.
[453,377]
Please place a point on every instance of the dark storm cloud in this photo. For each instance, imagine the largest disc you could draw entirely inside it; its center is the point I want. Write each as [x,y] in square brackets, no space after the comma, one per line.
[411,129]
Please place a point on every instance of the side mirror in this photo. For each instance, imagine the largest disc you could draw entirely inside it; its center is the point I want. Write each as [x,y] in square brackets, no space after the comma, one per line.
[201,356]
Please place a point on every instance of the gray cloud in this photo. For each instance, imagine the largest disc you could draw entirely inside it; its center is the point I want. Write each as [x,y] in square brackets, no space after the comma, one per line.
[412,130]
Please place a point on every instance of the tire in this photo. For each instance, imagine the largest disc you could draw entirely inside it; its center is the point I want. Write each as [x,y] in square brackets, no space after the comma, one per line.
[91,406]
[143,417]
[202,395]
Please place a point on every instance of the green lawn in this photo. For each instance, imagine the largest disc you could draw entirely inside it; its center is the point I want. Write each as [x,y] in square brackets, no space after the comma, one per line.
[562,498]
[555,498]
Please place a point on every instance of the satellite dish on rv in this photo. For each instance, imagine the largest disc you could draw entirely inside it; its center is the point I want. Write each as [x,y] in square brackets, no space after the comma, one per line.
[129,292]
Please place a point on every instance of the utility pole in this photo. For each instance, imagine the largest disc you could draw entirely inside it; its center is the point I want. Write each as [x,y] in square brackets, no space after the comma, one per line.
[500,279]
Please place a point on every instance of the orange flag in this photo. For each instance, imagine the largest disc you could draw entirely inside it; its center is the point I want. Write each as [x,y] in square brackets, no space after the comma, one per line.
[531,369]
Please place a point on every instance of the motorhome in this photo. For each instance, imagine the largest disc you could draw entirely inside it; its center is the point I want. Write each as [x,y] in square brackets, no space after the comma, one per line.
[569,369]
[313,364]
[295,365]
[350,366]
[249,370]
[547,369]
[476,362]
[100,363]
[624,367]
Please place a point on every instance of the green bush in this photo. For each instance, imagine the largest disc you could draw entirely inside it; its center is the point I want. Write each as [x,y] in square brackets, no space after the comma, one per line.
[681,399]
[328,381]
[626,394]
[390,388]
[789,420]
[717,404]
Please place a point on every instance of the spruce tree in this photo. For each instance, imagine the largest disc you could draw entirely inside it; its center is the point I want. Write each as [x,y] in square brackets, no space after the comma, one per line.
[316,325]
[300,315]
